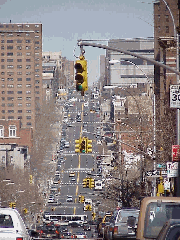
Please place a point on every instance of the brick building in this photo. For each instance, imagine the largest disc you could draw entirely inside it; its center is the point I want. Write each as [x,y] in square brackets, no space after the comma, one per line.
[166,28]
[15,143]
[21,71]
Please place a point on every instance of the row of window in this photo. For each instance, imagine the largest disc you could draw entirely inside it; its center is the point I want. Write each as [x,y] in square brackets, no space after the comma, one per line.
[166,29]
[12,131]
[19,92]
[20,41]
[18,66]
[18,85]
[19,60]
[19,111]
[18,25]
[20,47]
[18,73]
[20,80]
[19,104]
[17,34]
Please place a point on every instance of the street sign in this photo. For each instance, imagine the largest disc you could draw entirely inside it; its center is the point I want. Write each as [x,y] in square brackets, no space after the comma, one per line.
[161,165]
[175,153]
[156,173]
[172,169]
[175,96]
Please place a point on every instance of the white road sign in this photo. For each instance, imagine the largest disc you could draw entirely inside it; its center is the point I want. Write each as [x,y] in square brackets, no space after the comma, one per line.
[175,96]
[172,169]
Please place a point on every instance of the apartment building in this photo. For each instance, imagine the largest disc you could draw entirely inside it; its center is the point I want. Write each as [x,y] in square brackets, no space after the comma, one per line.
[21,72]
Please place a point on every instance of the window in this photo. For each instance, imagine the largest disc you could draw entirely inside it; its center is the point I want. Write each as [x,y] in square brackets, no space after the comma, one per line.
[10,98]
[28,41]
[28,79]
[36,31]
[28,117]
[27,25]
[28,104]
[19,66]
[28,54]
[10,79]
[19,111]
[2,73]
[19,73]
[167,18]
[167,29]
[28,66]
[36,70]
[2,79]
[28,98]
[19,85]
[3,111]
[10,111]
[19,104]
[19,92]
[19,117]
[28,92]
[10,73]
[2,41]
[28,73]
[3,98]
[159,29]
[12,131]
[10,60]
[28,124]
[28,85]
[37,36]
[159,17]
[36,42]
[36,86]
[9,41]
[9,54]
[3,86]
[37,54]
[19,60]
[2,66]
[2,47]
[10,66]
[28,60]
[36,75]
[19,47]
[36,81]
[19,41]
[3,92]
[1,131]
[19,79]
[37,25]
[28,111]
[36,59]
[19,53]
[10,85]
[37,48]
[37,92]
[28,47]
[9,47]
[37,65]
[19,98]
[10,104]
[2,60]
[10,92]
[2,54]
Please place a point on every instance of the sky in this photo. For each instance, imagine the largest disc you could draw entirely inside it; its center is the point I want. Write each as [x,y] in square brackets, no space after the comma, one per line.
[66,21]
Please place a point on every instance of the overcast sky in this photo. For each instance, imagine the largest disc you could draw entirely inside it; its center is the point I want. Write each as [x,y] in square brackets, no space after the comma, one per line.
[65,21]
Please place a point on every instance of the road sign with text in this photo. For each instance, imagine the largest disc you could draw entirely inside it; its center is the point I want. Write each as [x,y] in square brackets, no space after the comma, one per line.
[175,96]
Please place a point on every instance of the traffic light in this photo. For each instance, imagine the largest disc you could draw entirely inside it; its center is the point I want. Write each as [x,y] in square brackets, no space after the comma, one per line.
[78,145]
[83,146]
[30,179]
[25,211]
[81,75]
[88,207]
[13,205]
[88,182]
[82,199]
[93,216]
[88,145]
[91,183]
[84,182]
[10,204]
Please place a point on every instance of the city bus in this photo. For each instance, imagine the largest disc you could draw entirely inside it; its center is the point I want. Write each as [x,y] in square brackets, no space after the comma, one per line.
[65,219]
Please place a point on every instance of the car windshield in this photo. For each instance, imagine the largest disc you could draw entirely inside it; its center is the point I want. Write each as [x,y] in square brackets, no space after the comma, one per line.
[6,221]
[157,215]
[123,215]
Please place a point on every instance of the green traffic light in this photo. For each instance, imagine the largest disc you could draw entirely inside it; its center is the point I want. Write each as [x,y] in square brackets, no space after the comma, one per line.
[79,87]
[83,151]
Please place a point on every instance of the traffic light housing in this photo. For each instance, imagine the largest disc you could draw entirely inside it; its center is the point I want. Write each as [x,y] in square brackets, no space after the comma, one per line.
[82,199]
[25,211]
[13,205]
[91,183]
[78,145]
[81,75]
[83,146]
[88,207]
[93,216]
[88,182]
[10,204]
[84,182]
[88,146]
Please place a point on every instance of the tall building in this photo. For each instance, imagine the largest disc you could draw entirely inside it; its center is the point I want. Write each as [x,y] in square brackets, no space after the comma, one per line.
[166,30]
[21,71]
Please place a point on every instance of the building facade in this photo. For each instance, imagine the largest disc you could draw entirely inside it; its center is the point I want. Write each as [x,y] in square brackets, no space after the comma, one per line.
[21,72]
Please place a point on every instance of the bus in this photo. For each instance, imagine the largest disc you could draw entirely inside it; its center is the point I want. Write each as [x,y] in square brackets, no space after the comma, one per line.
[64,219]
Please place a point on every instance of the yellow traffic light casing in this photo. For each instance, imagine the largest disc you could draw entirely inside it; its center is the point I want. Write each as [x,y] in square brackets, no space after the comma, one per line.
[84,182]
[81,75]
[82,199]
[10,204]
[93,216]
[88,207]
[78,145]
[25,211]
[88,146]
[91,183]
[13,205]
[31,179]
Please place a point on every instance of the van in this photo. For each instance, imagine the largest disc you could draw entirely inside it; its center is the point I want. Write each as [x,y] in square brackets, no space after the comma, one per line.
[154,212]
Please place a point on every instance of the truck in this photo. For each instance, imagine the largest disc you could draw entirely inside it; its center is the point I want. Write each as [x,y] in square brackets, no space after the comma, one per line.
[88,204]
[12,226]
[98,185]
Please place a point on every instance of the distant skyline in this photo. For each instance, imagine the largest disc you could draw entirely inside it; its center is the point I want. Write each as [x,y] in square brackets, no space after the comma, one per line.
[65,21]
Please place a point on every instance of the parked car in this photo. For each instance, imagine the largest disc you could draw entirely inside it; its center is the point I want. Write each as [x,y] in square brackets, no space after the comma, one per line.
[124,224]
[80,235]
[49,231]
[66,235]
[155,211]
[12,225]
[170,230]
[86,227]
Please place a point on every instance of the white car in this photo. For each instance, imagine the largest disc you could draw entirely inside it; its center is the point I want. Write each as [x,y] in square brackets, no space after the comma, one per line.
[12,225]
[86,104]
[99,142]
[80,235]
[69,199]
